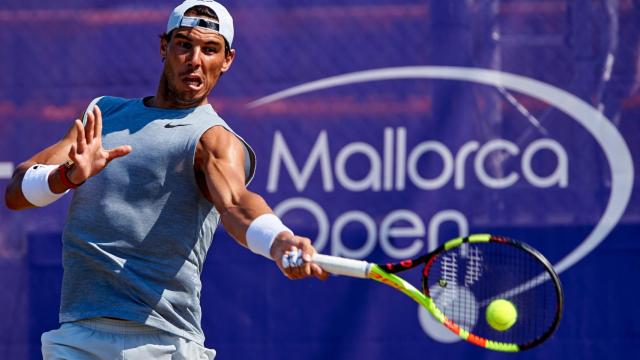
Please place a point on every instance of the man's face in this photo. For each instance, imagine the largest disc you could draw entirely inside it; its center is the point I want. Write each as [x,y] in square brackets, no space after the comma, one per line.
[194,60]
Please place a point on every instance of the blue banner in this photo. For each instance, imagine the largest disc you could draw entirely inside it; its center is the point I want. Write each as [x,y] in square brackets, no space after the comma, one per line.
[382,129]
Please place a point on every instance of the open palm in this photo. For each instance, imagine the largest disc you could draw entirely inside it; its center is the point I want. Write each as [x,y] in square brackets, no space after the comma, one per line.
[87,152]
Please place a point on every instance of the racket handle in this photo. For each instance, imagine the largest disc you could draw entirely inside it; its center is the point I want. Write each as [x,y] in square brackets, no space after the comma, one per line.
[342,266]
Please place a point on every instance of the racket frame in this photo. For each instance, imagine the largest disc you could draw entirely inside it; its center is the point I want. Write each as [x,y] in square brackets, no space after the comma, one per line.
[384,273]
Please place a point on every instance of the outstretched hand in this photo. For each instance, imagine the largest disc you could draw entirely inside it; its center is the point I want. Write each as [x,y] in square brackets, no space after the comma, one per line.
[87,153]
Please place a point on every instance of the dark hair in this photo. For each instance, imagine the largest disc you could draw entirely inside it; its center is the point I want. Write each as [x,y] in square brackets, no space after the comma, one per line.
[204,12]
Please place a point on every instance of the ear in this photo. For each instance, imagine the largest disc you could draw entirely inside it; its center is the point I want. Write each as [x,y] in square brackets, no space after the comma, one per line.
[228,59]
[163,48]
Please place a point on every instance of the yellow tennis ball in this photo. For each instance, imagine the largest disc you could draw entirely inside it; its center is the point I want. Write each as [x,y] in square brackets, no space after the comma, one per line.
[501,314]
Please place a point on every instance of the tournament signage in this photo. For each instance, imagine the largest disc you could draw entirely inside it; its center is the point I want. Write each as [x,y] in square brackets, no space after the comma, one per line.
[336,202]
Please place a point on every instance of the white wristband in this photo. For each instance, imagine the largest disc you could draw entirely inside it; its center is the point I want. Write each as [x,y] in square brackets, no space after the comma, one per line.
[262,232]
[35,185]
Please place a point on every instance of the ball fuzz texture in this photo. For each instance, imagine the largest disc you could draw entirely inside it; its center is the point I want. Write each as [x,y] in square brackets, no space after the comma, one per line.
[501,314]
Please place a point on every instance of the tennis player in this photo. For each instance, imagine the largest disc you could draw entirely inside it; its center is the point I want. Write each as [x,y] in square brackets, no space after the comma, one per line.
[153,177]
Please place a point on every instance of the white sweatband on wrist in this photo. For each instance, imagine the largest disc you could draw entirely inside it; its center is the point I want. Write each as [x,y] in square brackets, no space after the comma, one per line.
[262,232]
[35,185]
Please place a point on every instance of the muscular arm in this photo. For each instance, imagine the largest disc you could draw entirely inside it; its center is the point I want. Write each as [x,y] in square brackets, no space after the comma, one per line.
[220,158]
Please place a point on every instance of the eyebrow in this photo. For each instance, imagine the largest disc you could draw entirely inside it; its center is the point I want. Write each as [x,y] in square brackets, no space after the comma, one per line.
[185,37]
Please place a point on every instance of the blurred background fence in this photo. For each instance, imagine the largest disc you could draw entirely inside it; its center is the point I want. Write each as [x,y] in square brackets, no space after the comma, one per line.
[351,165]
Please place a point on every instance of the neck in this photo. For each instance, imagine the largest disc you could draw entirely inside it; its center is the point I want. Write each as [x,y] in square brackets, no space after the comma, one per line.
[168,98]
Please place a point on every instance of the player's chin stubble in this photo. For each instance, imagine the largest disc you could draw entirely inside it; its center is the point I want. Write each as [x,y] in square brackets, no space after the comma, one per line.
[174,96]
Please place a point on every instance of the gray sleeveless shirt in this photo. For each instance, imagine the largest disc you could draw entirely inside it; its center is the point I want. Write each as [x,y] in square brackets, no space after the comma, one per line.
[138,232]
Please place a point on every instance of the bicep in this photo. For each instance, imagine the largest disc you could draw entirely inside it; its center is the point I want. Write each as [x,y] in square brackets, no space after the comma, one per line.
[220,158]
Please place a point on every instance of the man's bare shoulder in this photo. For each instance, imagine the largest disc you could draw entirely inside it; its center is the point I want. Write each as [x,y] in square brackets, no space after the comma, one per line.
[220,142]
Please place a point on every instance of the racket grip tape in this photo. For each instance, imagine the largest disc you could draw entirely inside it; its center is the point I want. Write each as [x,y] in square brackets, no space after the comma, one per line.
[342,266]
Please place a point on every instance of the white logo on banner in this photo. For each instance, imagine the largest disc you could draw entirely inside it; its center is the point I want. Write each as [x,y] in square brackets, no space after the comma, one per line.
[6,170]
[402,163]
[607,136]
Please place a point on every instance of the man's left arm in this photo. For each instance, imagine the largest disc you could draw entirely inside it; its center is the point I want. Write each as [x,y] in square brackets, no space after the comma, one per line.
[245,215]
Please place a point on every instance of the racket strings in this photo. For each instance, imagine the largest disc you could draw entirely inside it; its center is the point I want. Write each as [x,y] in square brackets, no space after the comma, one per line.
[463,282]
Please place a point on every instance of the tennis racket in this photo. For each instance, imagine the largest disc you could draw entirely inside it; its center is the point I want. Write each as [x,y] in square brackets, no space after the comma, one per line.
[461,278]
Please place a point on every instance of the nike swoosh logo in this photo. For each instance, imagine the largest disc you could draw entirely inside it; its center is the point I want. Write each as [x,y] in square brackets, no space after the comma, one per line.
[170,125]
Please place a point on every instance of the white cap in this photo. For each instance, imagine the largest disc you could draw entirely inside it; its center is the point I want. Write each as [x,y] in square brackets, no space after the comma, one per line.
[224,26]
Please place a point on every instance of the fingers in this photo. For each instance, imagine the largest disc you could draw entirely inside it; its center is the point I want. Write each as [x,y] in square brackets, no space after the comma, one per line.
[93,127]
[89,128]
[298,265]
[318,272]
[80,144]
[294,265]
[292,258]
[98,126]
[294,254]
[118,152]
[307,254]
